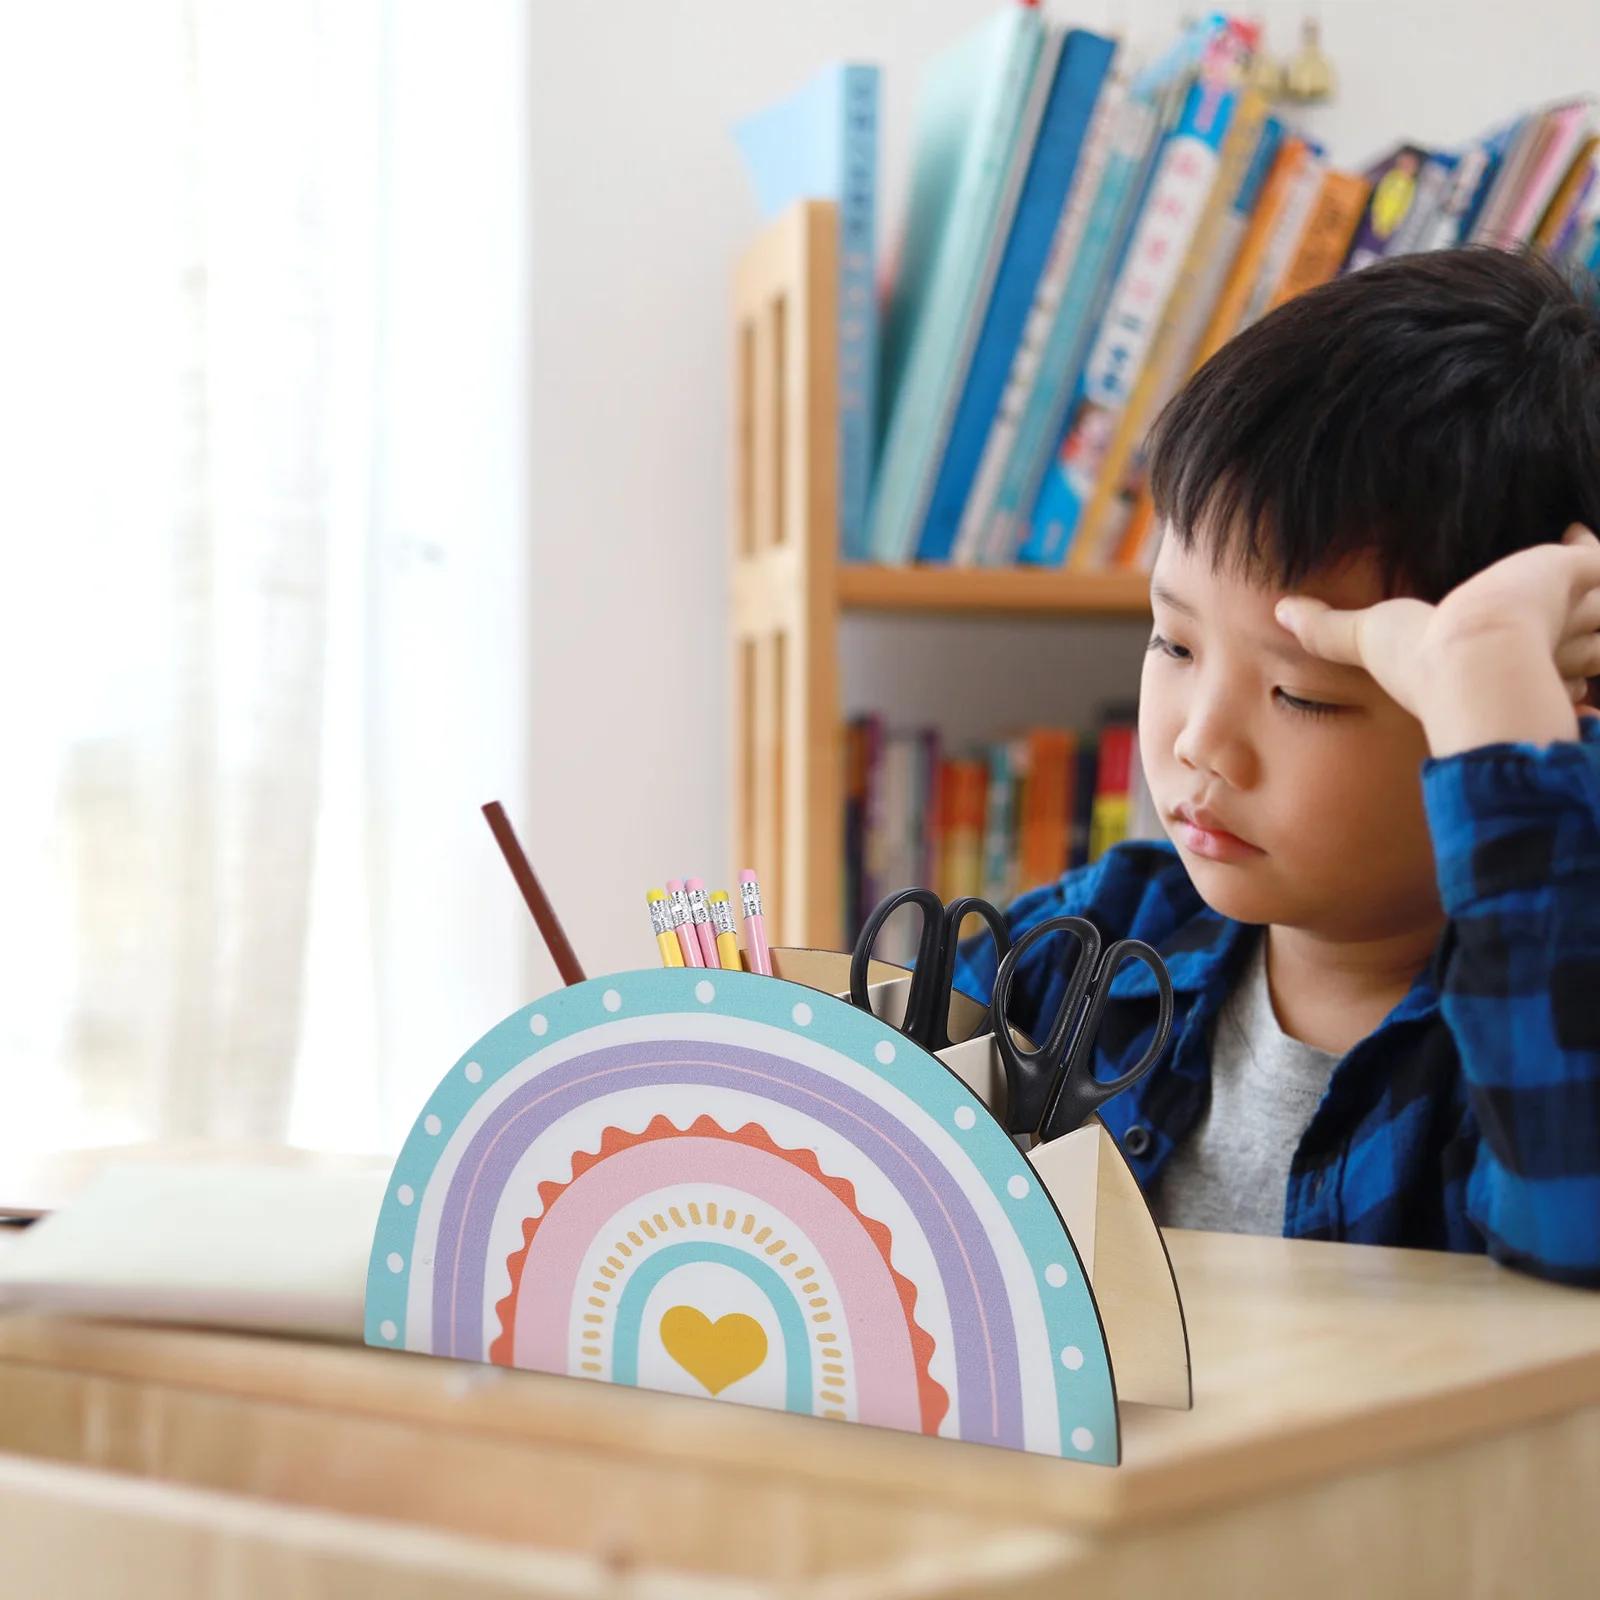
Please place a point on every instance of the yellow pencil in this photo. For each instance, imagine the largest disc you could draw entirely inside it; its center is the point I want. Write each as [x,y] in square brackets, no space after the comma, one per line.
[661,924]
[727,940]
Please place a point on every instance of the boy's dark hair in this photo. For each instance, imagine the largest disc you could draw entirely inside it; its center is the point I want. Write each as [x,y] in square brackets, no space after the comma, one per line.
[1440,411]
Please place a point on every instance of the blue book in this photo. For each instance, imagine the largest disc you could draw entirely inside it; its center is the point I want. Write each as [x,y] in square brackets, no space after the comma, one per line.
[822,144]
[969,115]
[1080,73]
[1153,101]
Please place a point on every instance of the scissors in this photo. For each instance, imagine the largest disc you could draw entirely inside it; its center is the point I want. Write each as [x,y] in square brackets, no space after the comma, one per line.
[1052,1090]
[927,1018]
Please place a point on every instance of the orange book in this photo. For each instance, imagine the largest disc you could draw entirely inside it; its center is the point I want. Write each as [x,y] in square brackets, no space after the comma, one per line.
[1235,295]
[966,793]
[1326,239]
[1044,825]
[1108,824]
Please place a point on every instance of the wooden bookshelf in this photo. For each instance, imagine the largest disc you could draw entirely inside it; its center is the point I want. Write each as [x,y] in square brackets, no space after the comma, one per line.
[789,589]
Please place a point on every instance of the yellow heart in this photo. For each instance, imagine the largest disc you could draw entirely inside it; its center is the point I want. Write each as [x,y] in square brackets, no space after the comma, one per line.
[714,1353]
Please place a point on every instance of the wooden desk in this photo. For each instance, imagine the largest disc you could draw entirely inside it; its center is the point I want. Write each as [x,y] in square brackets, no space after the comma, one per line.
[1367,1422]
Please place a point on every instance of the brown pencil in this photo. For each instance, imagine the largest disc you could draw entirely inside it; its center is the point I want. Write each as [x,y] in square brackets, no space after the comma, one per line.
[544,914]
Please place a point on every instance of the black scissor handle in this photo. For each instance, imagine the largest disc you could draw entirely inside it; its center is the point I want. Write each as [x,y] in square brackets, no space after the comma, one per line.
[1032,1075]
[954,915]
[921,1001]
[1079,1094]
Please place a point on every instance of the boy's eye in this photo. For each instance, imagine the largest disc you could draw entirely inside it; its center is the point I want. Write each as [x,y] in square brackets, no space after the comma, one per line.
[1310,708]
[1178,652]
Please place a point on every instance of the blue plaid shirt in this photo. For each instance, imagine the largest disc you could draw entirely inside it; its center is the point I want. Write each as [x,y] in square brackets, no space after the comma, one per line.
[1470,1118]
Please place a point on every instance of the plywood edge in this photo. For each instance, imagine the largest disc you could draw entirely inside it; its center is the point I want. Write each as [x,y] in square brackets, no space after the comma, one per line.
[1137,1289]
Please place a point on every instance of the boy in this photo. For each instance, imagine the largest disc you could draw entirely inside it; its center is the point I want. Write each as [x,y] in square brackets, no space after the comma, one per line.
[1375,608]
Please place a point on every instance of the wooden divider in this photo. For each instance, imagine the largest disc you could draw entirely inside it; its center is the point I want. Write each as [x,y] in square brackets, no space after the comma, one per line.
[787,815]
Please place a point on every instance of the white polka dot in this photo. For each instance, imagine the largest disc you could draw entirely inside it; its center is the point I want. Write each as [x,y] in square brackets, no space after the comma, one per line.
[432,1123]
[611,1000]
[474,1072]
[404,1194]
[396,1261]
[884,1051]
[704,992]
[1082,1439]
[1072,1359]
[540,1024]
[965,1116]
[1055,1275]
[802,1015]
[388,1330]
[1017,1186]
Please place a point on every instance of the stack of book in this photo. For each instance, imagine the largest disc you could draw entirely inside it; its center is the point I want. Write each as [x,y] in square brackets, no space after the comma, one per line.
[994,821]
[1082,232]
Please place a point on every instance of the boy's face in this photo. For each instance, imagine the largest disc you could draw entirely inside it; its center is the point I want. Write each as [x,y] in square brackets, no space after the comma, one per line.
[1291,786]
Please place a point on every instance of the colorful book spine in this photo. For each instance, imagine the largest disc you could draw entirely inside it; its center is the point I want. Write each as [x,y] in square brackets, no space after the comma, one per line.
[1184,177]
[973,545]
[1433,192]
[1154,100]
[973,109]
[1552,233]
[1325,240]
[1108,822]
[1212,267]
[1105,519]
[1043,827]
[1396,187]
[999,824]
[1284,245]
[1081,70]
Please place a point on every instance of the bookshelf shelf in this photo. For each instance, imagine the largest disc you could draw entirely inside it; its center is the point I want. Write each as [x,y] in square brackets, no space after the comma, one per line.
[953,591]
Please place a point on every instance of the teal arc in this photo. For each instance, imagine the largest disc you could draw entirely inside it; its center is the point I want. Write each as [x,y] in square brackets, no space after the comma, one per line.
[631,1303]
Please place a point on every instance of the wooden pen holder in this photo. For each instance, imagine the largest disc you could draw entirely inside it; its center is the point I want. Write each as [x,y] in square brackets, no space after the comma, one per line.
[716,1183]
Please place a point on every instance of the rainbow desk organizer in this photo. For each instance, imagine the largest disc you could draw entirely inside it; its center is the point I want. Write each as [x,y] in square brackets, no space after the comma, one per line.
[721,1184]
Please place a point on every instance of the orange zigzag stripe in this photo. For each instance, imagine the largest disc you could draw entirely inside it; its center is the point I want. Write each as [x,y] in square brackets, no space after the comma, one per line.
[933,1398]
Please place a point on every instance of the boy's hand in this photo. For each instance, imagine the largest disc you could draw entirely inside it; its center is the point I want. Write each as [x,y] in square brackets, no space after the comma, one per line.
[1502,658]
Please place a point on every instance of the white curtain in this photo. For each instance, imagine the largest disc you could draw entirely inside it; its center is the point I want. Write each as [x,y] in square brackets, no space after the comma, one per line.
[224,572]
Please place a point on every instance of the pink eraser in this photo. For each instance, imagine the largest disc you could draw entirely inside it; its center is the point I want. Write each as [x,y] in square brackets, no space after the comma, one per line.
[692,884]
[674,885]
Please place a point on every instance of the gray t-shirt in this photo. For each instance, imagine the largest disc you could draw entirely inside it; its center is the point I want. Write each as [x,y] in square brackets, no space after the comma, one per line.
[1232,1172]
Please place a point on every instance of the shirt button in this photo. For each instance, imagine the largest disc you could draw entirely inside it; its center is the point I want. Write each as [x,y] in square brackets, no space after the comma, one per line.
[1136,1141]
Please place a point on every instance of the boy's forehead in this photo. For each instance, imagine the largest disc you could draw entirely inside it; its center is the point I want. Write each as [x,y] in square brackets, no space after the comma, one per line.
[1205,575]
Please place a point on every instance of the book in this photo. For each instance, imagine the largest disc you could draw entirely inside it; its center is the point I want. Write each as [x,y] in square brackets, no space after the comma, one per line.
[1000,821]
[1185,174]
[1080,801]
[1109,813]
[1080,74]
[821,143]
[1433,192]
[974,544]
[1325,239]
[969,116]
[1173,367]
[1553,233]
[1284,245]
[1396,184]
[1532,172]
[1151,106]
[1194,292]
[1043,821]
[964,784]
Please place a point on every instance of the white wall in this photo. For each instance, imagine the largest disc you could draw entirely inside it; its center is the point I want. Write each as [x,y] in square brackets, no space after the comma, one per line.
[639,210]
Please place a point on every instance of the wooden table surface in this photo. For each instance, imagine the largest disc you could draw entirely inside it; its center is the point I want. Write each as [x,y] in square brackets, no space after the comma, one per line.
[1316,1366]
